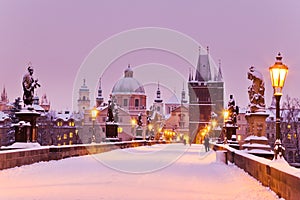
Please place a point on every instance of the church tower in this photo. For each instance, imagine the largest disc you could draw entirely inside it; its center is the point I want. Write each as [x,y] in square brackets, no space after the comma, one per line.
[99,98]
[206,95]
[4,100]
[183,99]
[84,98]
[45,103]
[158,102]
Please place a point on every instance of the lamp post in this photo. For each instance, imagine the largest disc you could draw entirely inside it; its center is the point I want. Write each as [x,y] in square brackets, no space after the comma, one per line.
[94,113]
[278,74]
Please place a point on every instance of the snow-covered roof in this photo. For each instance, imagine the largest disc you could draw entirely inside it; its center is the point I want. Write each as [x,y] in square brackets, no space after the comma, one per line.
[38,108]
[255,145]
[65,116]
[254,137]
[3,116]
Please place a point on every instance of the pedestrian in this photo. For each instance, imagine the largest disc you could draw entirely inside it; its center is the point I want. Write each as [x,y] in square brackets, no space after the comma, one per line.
[206,143]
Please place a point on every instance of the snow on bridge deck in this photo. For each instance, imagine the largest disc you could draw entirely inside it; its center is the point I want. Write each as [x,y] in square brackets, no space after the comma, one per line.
[171,171]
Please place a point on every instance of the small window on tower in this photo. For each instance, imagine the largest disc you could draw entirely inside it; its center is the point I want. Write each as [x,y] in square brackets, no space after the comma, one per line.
[158,109]
[125,102]
[136,103]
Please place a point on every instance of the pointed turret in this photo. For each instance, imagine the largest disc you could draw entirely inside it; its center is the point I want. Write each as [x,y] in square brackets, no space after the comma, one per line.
[4,98]
[183,100]
[158,97]
[219,75]
[203,72]
[99,99]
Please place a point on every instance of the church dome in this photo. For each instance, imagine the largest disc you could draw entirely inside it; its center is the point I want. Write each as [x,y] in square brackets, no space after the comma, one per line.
[128,84]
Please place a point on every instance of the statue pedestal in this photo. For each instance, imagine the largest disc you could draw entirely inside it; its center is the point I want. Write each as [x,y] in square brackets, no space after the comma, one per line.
[256,123]
[230,134]
[26,130]
[111,132]
[139,134]
[257,143]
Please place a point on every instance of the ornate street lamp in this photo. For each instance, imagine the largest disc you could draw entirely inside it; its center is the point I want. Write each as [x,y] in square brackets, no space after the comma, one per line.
[94,113]
[278,74]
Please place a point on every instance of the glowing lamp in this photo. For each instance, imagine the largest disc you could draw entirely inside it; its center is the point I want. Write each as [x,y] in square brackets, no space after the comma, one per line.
[278,74]
[94,113]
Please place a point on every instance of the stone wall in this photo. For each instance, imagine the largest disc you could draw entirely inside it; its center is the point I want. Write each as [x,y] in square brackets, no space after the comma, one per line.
[285,184]
[15,158]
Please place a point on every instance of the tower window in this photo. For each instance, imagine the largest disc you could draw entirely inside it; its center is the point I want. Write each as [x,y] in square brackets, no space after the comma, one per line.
[136,103]
[83,98]
[125,102]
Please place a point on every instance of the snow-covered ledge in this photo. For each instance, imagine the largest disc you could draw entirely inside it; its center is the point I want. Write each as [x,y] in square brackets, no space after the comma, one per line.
[28,153]
[283,179]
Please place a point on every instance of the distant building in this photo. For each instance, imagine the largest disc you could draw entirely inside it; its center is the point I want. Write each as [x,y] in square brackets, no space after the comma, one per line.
[6,132]
[206,95]
[45,104]
[129,94]
[4,101]
[83,101]
[241,132]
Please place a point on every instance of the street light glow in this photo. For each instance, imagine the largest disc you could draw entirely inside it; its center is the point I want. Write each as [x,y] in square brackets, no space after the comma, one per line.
[278,74]
[94,113]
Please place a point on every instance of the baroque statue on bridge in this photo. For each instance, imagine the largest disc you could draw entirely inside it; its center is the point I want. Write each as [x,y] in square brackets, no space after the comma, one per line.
[29,84]
[256,91]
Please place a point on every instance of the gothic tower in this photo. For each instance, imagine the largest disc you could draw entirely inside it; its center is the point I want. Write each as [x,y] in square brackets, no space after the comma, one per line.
[206,95]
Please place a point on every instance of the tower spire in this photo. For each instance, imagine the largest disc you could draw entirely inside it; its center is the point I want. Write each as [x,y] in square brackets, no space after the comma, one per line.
[99,99]
[183,100]
[158,97]
[220,76]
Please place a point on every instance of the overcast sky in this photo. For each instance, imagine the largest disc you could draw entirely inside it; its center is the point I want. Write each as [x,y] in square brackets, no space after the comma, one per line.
[57,35]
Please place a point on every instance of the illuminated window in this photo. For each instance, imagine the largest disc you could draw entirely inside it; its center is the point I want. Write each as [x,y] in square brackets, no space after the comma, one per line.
[59,123]
[70,143]
[58,138]
[70,135]
[289,136]
[71,123]
[64,143]
[295,135]
[65,136]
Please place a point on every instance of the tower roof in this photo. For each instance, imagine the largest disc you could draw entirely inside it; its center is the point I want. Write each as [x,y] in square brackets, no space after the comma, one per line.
[84,87]
[206,68]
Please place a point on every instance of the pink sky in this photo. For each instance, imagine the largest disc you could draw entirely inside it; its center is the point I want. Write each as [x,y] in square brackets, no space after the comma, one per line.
[57,35]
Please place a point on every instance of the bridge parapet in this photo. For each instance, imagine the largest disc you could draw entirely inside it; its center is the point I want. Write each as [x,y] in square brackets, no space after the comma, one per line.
[19,157]
[281,178]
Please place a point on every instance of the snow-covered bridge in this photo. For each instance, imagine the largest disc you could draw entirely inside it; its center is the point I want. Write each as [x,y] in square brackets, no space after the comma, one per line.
[172,171]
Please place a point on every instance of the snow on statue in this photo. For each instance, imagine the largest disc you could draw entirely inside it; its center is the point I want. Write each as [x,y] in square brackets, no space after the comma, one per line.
[256,91]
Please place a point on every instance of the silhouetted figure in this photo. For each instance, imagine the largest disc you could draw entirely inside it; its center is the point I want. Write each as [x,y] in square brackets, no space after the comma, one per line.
[206,143]
[29,84]
[110,115]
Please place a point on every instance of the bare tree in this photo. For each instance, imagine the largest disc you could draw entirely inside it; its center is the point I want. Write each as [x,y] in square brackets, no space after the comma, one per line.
[291,110]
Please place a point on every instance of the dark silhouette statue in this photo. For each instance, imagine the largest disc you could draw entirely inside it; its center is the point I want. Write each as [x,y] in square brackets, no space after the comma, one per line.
[110,115]
[29,84]
[232,109]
